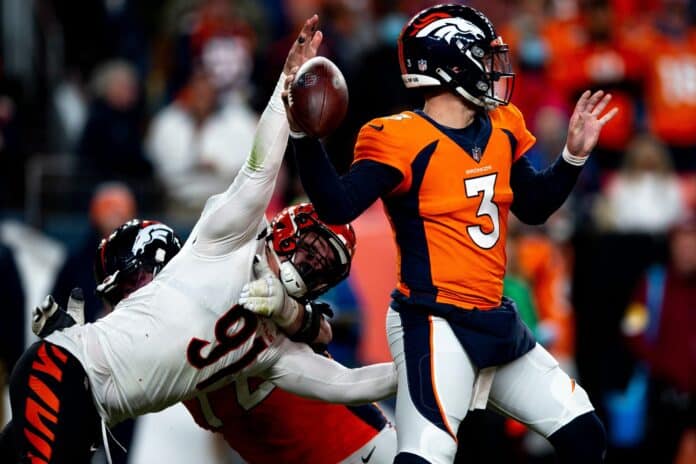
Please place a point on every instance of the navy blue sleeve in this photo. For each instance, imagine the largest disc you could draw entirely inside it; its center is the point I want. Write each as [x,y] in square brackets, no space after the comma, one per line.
[538,194]
[340,199]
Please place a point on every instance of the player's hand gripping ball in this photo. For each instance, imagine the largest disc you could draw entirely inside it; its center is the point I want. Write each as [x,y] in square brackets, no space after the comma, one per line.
[318,97]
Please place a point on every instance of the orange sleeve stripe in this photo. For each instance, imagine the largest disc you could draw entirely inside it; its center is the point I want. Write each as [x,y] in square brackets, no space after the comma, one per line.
[47,396]
[39,443]
[432,380]
[46,365]
[34,413]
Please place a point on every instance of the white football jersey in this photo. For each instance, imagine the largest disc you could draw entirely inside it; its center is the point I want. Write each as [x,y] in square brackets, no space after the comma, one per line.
[183,333]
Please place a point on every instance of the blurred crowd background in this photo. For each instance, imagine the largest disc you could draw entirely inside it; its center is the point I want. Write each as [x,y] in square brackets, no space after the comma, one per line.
[117,108]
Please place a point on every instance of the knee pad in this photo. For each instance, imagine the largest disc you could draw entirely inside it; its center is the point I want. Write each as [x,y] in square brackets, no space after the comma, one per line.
[582,440]
[408,458]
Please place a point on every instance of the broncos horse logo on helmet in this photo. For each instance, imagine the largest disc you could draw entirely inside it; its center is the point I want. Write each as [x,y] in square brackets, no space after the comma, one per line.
[456,46]
[450,28]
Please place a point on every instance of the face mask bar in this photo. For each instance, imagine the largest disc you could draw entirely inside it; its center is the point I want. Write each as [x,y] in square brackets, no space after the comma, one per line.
[498,67]
[317,262]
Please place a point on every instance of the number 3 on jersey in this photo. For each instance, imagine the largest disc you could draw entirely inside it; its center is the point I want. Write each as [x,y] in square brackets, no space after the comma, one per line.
[484,187]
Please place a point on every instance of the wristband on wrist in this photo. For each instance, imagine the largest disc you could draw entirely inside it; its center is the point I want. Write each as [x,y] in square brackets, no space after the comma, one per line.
[311,323]
[572,159]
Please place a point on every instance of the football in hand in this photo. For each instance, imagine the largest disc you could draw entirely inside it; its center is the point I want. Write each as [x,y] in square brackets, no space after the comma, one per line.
[318,97]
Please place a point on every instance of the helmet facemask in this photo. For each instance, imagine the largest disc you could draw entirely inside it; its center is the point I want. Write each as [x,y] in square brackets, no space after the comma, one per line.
[312,258]
[498,70]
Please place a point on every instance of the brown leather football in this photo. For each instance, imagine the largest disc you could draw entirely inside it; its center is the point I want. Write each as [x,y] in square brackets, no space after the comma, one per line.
[318,97]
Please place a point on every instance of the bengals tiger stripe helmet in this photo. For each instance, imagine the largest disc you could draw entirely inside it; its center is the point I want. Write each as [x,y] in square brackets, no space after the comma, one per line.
[457,47]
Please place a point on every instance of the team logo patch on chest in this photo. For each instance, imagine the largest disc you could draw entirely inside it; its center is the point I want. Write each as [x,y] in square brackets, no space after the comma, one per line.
[476,153]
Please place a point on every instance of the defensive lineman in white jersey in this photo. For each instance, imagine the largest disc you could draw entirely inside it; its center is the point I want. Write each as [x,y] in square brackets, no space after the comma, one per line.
[184,333]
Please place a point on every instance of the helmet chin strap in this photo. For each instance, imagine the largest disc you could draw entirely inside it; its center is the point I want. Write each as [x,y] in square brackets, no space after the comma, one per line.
[290,277]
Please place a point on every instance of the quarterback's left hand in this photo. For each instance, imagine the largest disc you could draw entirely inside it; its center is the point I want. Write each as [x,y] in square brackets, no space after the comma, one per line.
[586,124]
[266,296]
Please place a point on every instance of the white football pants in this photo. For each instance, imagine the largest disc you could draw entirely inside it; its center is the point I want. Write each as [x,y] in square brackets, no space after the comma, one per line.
[436,381]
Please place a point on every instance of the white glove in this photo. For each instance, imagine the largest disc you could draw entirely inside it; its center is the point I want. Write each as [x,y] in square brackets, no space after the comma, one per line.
[49,316]
[76,306]
[266,296]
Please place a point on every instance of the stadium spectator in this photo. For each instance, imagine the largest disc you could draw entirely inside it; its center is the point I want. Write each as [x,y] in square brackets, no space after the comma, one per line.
[645,195]
[659,326]
[197,143]
[602,60]
[667,43]
[111,145]
[530,35]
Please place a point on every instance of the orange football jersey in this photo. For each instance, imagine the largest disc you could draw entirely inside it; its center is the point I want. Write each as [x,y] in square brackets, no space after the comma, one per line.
[267,425]
[449,213]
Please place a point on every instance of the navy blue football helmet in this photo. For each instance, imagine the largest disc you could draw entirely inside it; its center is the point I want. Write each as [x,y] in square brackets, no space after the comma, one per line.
[457,47]
[134,252]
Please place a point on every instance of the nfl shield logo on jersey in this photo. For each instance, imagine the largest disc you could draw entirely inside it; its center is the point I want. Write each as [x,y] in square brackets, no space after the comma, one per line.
[476,153]
[422,65]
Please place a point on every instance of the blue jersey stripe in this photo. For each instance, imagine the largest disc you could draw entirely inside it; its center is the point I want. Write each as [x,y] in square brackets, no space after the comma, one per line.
[410,229]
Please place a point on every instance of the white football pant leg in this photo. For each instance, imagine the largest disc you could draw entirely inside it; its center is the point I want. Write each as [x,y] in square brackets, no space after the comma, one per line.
[429,409]
[381,449]
[534,390]
[301,371]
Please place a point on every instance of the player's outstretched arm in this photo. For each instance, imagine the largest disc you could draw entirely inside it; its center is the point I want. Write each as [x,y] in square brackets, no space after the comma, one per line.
[234,216]
[301,371]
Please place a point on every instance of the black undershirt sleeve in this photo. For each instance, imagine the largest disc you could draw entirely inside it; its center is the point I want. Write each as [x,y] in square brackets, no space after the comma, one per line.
[341,199]
[538,194]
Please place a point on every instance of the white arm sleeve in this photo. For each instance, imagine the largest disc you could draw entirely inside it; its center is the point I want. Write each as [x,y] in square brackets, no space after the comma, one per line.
[301,371]
[233,217]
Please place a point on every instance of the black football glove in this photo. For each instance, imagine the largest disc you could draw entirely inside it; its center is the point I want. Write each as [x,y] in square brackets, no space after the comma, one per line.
[311,322]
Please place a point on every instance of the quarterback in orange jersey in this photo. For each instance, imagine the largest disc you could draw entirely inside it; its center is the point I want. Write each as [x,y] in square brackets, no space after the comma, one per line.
[448,175]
